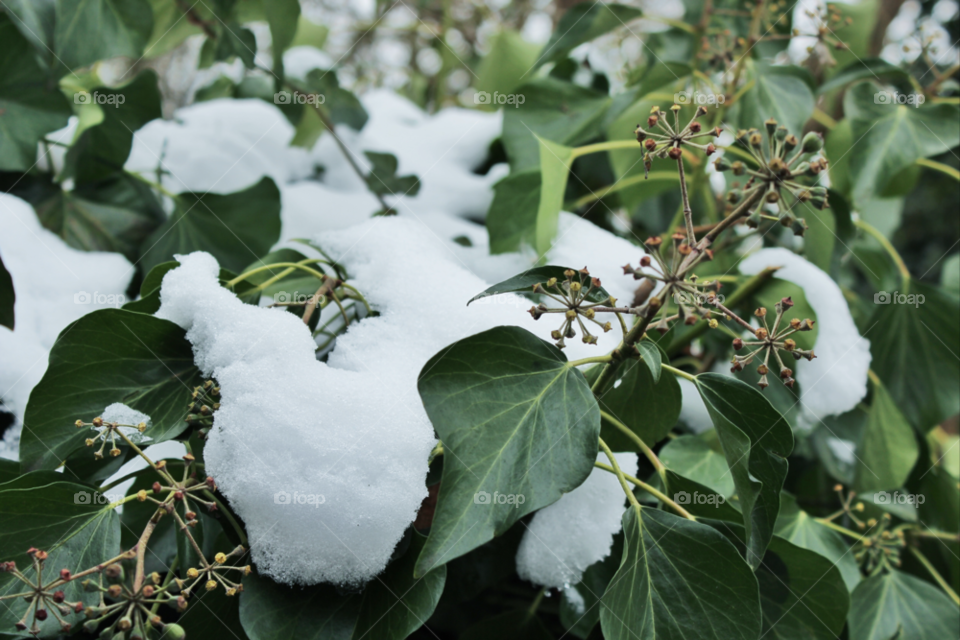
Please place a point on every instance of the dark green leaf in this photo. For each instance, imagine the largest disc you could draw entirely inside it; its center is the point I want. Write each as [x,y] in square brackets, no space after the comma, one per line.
[888,449]
[580,618]
[35,19]
[756,441]
[8,297]
[679,580]
[700,459]
[30,106]
[108,356]
[890,137]
[582,23]
[282,16]
[512,217]
[898,605]
[515,419]
[866,69]
[508,61]
[779,93]
[383,178]
[342,106]
[523,283]
[555,161]
[235,228]
[92,30]
[801,529]
[915,348]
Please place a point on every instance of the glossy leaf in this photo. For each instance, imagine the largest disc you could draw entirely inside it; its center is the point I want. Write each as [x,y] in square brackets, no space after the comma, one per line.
[235,228]
[679,580]
[514,419]
[108,356]
[895,602]
[756,441]
[913,348]
[523,283]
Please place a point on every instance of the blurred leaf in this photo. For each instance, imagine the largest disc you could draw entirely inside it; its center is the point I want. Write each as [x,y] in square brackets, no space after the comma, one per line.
[383,178]
[555,161]
[778,92]
[867,69]
[508,62]
[888,450]
[342,106]
[512,218]
[36,20]
[283,17]
[91,30]
[897,605]
[582,23]
[235,228]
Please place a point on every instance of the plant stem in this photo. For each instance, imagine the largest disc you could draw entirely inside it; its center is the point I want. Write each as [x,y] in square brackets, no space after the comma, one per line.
[616,469]
[935,574]
[647,451]
[659,495]
[888,247]
[578,363]
[302,265]
[847,532]
[141,553]
[939,166]
[619,185]
[532,611]
[687,211]
[678,372]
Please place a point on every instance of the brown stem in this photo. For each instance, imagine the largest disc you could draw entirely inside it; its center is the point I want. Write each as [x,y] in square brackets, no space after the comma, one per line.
[687,211]
[743,323]
[141,553]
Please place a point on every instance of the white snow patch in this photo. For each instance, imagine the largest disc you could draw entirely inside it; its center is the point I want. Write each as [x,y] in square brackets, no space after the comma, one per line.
[836,380]
[577,530]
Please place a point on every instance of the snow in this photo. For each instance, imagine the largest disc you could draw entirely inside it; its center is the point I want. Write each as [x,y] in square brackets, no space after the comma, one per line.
[836,380]
[576,531]
[124,415]
[55,284]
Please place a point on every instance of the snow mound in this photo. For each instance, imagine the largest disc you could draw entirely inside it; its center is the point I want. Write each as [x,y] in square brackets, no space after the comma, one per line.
[577,530]
[836,380]
[122,414]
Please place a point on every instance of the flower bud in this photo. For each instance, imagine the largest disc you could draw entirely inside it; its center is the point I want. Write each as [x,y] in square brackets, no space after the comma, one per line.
[114,591]
[695,127]
[650,144]
[98,422]
[211,585]
[737,344]
[674,153]
[761,333]
[192,573]
[812,142]
[738,168]
[220,558]
[711,149]
[722,164]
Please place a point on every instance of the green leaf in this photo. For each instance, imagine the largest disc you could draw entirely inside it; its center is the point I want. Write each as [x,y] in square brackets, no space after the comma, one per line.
[820,236]
[552,109]
[235,228]
[91,30]
[865,69]
[898,605]
[342,106]
[383,179]
[892,137]
[523,283]
[514,419]
[799,527]
[35,19]
[512,217]
[232,41]
[915,348]
[555,161]
[699,458]
[108,356]
[649,407]
[756,441]
[30,107]
[283,17]
[779,93]
[888,449]
[678,580]
[8,297]
[582,23]
[802,594]
[102,150]
[651,355]
[508,61]
[391,606]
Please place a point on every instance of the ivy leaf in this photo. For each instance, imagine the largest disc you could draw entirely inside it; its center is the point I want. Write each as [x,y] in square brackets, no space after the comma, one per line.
[555,161]
[63,519]
[512,217]
[383,179]
[898,605]
[232,41]
[35,19]
[509,59]
[282,16]
[699,459]
[102,150]
[649,407]
[888,449]
[552,109]
[914,348]
[756,441]
[779,93]
[678,580]
[892,137]
[29,106]
[798,527]
[865,69]
[523,283]
[90,30]
[391,606]
[235,228]
[108,356]
[8,297]
[515,419]
[342,106]
[584,22]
